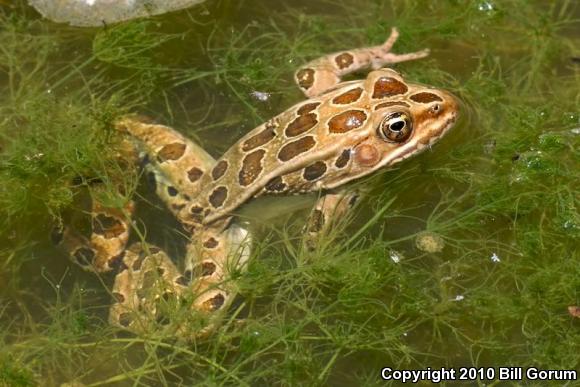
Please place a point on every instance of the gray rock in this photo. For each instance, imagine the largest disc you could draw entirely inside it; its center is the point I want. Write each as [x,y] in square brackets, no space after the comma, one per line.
[90,13]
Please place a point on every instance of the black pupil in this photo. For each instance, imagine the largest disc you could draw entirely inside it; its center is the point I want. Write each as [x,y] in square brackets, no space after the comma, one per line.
[397,126]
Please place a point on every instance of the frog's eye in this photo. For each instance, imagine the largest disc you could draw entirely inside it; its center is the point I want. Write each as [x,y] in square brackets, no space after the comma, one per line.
[396,127]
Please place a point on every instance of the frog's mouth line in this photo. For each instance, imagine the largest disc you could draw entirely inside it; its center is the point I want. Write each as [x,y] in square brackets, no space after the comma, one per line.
[448,125]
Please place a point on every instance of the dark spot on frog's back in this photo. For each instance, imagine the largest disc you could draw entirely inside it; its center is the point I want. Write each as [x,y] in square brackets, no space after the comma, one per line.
[262,138]
[301,124]
[344,60]
[251,167]
[218,196]
[219,170]
[346,121]
[314,171]
[347,97]
[295,148]
[307,108]
[171,151]
[343,159]
[275,185]
[305,78]
[194,174]
[425,97]
[387,86]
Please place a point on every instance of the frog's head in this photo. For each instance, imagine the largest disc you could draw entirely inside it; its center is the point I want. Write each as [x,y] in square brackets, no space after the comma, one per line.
[405,119]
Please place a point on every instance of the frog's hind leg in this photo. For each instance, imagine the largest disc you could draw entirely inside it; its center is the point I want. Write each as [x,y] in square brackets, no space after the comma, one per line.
[176,165]
[323,73]
[152,295]
[102,251]
[174,156]
[110,222]
[148,290]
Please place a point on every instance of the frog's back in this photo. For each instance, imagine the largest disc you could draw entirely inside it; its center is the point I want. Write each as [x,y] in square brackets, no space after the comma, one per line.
[298,139]
[327,141]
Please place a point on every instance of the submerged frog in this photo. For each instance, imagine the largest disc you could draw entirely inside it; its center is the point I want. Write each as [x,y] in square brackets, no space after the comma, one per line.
[344,131]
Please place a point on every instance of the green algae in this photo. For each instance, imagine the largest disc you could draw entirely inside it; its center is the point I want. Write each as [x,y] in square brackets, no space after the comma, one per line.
[500,190]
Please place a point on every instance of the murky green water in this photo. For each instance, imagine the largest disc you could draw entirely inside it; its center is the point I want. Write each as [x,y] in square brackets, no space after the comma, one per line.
[501,190]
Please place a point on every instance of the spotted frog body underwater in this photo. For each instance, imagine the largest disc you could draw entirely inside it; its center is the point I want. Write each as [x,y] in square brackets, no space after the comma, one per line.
[344,131]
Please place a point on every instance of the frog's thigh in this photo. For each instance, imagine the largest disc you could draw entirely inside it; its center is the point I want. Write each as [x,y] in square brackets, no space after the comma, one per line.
[175,166]
[323,73]
[179,160]
[327,211]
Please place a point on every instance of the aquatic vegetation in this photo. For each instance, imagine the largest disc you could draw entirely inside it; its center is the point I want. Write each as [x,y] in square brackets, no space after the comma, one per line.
[501,192]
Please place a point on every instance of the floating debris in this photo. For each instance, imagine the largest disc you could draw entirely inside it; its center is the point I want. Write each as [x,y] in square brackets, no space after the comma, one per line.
[92,13]
[429,242]
[395,256]
[486,6]
[260,95]
[574,311]
[489,147]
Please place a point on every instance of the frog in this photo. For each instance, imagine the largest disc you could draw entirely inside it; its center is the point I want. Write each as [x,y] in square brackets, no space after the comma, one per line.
[342,132]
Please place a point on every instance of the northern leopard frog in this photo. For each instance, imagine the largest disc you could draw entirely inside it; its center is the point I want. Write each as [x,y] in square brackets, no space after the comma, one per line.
[344,131]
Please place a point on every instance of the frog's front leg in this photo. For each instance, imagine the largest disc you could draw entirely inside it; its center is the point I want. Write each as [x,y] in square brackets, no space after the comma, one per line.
[323,73]
[329,208]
